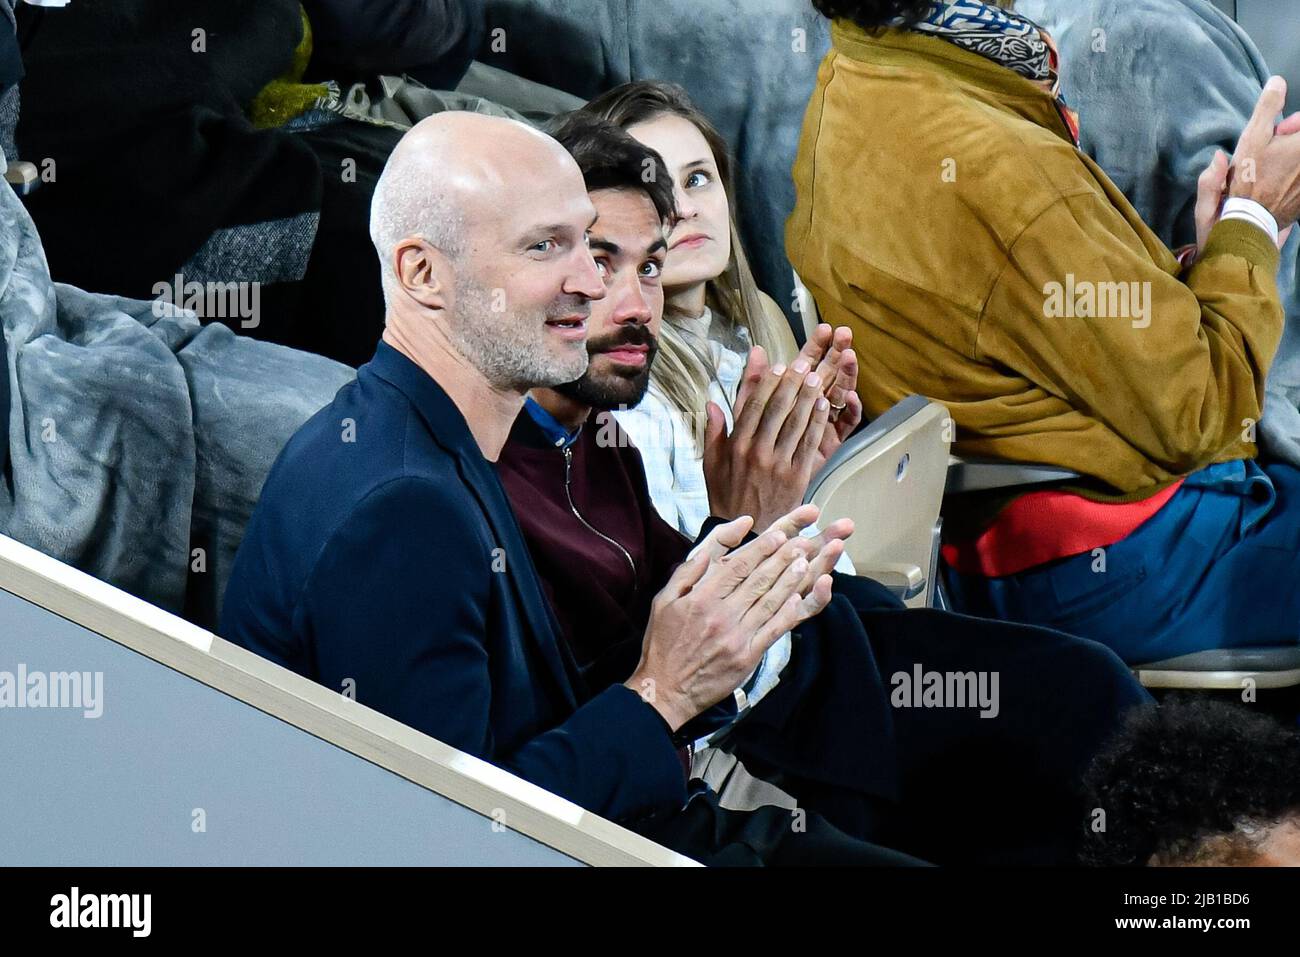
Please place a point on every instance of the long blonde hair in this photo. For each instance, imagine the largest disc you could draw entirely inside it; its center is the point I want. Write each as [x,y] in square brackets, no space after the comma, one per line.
[683,368]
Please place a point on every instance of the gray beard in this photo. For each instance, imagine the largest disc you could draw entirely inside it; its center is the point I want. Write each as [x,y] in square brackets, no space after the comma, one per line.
[507,348]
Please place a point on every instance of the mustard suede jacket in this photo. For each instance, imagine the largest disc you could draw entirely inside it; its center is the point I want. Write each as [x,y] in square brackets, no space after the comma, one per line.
[983,261]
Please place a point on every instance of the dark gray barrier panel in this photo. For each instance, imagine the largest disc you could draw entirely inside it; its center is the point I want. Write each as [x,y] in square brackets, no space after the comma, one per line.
[1274,25]
[173,747]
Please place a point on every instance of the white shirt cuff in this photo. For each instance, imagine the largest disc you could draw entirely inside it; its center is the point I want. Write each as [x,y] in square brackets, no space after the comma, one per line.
[1239,207]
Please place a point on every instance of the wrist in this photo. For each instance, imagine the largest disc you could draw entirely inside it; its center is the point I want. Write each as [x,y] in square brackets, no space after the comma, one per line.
[723,513]
[720,506]
[647,689]
[1252,211]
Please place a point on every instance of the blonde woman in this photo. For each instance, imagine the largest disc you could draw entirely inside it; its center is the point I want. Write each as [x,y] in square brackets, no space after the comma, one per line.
[714,313]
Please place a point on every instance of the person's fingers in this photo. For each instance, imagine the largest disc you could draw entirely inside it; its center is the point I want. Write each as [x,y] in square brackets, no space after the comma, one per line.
[816,600]
[850,416]
[748,418]
[816,346]
[715,436]
[1259,129]
[756,366]
[1273,100]
[765,637]
[806,451]
[842,426]
[686,575]
[815,349]
[828,369]
[793,385]
[837,530]
[801,418]
[767,588]
[846,379]
[1216,172]
[792,613]
[1288,126]
[730,571]
[849,366]
[793,523]
[723,538]
[842,341]
[1209,195]
[822,563]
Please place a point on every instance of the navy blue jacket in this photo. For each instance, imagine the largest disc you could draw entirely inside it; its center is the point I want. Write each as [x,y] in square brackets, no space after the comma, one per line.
[384,552]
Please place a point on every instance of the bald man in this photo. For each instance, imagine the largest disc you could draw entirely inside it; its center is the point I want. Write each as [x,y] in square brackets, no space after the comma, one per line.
[383,559]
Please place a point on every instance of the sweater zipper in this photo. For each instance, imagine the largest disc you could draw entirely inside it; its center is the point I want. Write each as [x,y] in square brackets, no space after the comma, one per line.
[568,466]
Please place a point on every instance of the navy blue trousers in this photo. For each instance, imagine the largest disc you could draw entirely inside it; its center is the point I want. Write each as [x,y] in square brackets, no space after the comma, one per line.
[1217,567]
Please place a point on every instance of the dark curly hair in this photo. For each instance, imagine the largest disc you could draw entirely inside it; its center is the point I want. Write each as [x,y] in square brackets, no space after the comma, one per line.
[873,13]
[1188,782]
[610,158]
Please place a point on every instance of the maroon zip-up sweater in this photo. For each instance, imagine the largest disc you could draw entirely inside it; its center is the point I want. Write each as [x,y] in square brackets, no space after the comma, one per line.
[600,548]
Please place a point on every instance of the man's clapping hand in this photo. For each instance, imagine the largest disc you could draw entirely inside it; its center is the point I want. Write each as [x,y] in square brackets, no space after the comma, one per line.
[1266,163]
[726,605]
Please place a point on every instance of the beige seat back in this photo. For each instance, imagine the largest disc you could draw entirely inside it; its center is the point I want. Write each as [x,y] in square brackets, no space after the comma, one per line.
[889,478]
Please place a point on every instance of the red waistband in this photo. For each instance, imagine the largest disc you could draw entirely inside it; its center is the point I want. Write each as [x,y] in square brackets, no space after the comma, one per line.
[1040,527]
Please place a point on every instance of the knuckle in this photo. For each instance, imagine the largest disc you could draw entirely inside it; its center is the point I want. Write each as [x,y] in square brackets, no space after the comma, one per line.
[736,650]
[714,624]
[764,580]
[778,610]
[767,606]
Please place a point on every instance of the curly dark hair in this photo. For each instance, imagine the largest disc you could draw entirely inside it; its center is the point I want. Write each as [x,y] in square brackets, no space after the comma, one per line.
[611,158]
[873,13]
[1188,781]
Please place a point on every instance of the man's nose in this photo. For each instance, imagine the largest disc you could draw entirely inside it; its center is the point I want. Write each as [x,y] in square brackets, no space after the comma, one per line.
[631,307]
[584,278]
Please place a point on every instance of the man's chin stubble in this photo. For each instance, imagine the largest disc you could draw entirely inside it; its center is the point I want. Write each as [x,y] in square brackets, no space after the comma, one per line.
[607,399]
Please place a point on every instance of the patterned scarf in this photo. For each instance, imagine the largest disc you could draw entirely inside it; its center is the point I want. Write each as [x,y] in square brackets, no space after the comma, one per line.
[1007,38]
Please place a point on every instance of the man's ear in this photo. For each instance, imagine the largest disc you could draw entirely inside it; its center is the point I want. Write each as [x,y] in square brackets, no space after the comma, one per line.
[423,271]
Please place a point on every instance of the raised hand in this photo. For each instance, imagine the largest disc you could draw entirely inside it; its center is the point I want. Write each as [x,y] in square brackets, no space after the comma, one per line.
[788,422]
[763,466]
[723,608]
[1266,163]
